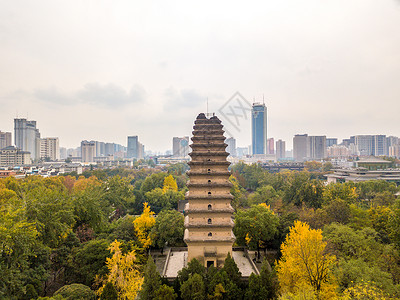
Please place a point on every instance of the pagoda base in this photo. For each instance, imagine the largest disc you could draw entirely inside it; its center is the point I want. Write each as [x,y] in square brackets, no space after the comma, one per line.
[211,254]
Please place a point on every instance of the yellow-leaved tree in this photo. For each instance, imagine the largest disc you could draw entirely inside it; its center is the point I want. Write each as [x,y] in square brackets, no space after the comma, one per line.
[124,273]
[305,263]
[143,225]
[170,184]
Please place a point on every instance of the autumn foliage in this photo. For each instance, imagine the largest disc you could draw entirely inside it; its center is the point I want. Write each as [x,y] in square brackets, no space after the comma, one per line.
[305,262]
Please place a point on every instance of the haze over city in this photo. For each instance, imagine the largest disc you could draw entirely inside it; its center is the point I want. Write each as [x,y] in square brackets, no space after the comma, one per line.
[104,70]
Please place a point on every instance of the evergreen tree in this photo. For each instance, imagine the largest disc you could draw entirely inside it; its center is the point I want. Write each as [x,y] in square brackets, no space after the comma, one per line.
[255,289]
[152,281]
[232,291]
[268,280]
[109,292]
[193,288]
[194,267]
[165,292]
[232,270]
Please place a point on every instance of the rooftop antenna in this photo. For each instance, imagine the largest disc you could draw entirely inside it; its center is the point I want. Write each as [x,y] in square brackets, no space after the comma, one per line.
[207,106]
[263,100]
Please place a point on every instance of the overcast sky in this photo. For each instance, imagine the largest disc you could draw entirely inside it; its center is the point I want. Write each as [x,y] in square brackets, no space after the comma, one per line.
[104,70]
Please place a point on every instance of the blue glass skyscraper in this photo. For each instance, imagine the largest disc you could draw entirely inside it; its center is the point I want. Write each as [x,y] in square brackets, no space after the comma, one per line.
[259,128]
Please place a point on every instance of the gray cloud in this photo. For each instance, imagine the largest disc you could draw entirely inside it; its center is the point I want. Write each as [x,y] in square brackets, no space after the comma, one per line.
[179,99]
[109,95]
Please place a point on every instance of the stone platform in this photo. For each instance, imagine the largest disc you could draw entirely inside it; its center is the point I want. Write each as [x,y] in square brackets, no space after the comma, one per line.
[176,259]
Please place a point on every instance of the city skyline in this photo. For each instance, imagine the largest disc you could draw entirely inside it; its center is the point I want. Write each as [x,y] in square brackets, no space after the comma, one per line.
[106,71]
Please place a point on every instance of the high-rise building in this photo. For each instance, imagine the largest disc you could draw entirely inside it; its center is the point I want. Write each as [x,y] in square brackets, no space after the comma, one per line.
[331,142]
[300,147]
[280,149]
[109,149]
[88,151]
[317,147]
[380,145]
[180,146]
[133,147]
[63,153]
[50,148]
[271,146]
[231,148]
[259,128]
[392,141]
[140,151]
[394,151]
[5,139]
[372,144]
[27,137]
[208,219]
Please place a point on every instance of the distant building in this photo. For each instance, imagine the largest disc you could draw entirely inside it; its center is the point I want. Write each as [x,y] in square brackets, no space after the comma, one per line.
[50,148]
[5,139]
[394,151]
[141,151]
[12,156]
[368,145]
[180,146]
[300,147]
[109,149]
[307,147]
[392,141]
[242,151]
[88,151]
[270,146]
[317,147]
[63,153]
[338,151]
[370,168]
[280,149]
[27,137]
[380,145]
[231,149]
[135,148]
[259,128]
[331,141]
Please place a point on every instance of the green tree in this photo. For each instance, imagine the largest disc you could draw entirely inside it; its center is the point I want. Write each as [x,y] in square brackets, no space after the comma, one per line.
[337,210]
[18,240]
[52,211]
[345,191]
[90,260]
[268,280]
[76,291]
[255,226]
[193,267]
[118,193]
[232,291]
[109,292]
[255,290]
[238,193]
[231,268]
[169,228]
[193,288]
[394,223]
[153,181]
[151,282]
[264,194]
[350,243]
[165,292]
